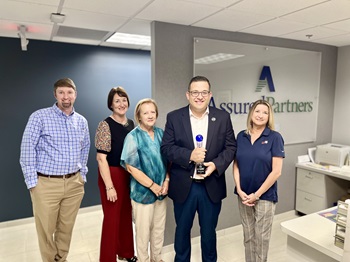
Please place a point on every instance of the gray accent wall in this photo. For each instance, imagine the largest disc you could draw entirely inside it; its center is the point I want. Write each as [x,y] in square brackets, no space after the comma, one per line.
[341,125]
[172,68]
[26,84]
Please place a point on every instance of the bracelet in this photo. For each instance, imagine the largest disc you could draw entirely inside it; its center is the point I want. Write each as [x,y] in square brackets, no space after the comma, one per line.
[109,188]
[256,197]
[151,184]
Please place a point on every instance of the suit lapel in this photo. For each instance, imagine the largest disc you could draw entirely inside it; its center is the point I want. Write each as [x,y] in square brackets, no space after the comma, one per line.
[187,125]
[212,121]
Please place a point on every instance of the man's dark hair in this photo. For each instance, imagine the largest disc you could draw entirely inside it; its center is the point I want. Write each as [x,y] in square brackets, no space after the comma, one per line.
[199,79]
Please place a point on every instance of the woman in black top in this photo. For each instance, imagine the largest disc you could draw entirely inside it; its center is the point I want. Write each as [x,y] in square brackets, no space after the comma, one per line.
[113,181]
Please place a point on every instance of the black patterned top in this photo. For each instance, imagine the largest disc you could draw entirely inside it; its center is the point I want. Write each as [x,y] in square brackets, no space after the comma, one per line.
[109,139]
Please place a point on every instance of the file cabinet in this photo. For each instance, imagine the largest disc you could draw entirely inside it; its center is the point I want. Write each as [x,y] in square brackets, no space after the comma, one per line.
[316,190]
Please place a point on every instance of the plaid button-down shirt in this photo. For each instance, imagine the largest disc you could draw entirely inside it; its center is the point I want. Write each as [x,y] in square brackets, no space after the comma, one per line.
[54,144]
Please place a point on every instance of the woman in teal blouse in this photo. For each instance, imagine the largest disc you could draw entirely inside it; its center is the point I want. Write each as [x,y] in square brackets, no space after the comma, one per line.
[149,183]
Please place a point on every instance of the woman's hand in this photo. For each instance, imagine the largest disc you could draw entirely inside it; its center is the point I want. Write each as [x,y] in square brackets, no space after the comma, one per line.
[156,189]
[111,194]
[250,200]
[242,195]
[165,187]
[247,200]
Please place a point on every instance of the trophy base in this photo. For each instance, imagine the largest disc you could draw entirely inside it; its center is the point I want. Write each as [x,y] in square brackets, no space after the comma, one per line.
[201,169]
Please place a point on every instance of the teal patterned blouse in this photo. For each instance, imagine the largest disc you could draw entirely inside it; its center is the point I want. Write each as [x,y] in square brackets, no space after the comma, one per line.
[141,152]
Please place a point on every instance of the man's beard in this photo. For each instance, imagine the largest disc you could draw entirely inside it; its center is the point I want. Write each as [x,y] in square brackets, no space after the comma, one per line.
[66,105]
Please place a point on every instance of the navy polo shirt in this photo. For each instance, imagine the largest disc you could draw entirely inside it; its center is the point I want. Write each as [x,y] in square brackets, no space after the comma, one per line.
[255,161]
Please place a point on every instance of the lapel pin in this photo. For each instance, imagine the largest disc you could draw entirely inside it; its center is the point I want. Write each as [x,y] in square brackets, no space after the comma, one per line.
[213,119]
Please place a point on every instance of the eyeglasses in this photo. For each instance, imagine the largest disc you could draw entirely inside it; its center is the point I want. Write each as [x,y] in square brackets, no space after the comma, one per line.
[196,93]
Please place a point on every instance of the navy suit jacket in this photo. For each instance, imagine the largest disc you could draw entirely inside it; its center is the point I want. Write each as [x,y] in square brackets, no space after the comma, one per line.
[177,146]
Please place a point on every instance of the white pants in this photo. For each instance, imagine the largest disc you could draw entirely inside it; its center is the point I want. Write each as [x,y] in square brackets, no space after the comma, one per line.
[149,227]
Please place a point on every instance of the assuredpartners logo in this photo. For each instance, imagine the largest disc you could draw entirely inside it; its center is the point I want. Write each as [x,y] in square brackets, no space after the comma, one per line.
[265,81]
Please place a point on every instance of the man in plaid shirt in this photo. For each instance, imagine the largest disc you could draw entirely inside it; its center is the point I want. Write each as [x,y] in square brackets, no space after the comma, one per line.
[54,153]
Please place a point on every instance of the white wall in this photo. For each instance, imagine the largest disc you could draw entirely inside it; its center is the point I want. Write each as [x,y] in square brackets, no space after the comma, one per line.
[341,119]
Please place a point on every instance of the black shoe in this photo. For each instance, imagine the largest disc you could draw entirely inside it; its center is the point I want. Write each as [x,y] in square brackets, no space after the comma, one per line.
[133,259]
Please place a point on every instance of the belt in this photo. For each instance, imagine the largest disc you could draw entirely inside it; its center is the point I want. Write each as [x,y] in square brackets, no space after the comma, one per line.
[58,176]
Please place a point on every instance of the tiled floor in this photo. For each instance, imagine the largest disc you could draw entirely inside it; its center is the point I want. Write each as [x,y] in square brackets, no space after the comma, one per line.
[18,241]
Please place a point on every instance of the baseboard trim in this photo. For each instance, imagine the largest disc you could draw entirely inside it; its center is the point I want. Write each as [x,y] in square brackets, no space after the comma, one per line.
[29,220]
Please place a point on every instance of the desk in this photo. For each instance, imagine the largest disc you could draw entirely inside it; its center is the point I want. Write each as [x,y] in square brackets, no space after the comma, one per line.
[311,238]
[318,187]
[329,171]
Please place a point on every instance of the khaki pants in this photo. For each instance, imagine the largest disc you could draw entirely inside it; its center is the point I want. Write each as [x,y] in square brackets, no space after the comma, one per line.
[149,227]
[56,202]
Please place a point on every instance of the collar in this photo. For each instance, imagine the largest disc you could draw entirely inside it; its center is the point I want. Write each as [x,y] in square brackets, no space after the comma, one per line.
[139,127]
[204,114]
[59,111]
[266,132]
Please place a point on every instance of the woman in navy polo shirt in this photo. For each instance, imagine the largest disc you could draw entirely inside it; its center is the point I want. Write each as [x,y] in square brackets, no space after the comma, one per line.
[258,165]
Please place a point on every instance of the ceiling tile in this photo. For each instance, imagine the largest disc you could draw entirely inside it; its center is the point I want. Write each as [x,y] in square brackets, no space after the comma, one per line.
[325,13]
[218,3]
[340,40]
[232,20]
[273,7]
[137,26]
[175,11]
[114,7]
[43,2]
[34,30]
[315,33]
[10,10]
[96,21]
[343,25]
[276,27]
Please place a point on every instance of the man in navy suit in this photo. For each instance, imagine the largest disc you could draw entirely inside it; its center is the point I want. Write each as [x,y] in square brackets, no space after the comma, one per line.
[192,192]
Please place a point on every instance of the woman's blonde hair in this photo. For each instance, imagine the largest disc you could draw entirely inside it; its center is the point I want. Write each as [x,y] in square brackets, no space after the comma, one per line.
[270,122]
[138,108]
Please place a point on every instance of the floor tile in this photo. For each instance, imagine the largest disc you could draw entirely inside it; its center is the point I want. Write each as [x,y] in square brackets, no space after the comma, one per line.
[18,241]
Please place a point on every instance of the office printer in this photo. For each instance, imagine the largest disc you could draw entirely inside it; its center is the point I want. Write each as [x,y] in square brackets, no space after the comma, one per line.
[332,154]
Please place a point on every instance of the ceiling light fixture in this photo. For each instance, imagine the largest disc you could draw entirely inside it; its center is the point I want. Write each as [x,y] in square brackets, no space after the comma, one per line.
[22,35]
[130,39]
[216,58]
[57,18]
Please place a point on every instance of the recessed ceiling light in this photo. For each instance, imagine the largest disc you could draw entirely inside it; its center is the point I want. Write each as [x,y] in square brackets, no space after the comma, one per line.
[130,39]
[216,58]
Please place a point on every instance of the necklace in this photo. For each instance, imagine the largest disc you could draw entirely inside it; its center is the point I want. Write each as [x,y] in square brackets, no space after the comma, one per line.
[124,123]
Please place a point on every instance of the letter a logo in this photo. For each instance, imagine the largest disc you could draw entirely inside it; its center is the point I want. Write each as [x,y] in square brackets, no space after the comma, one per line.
[265,80]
